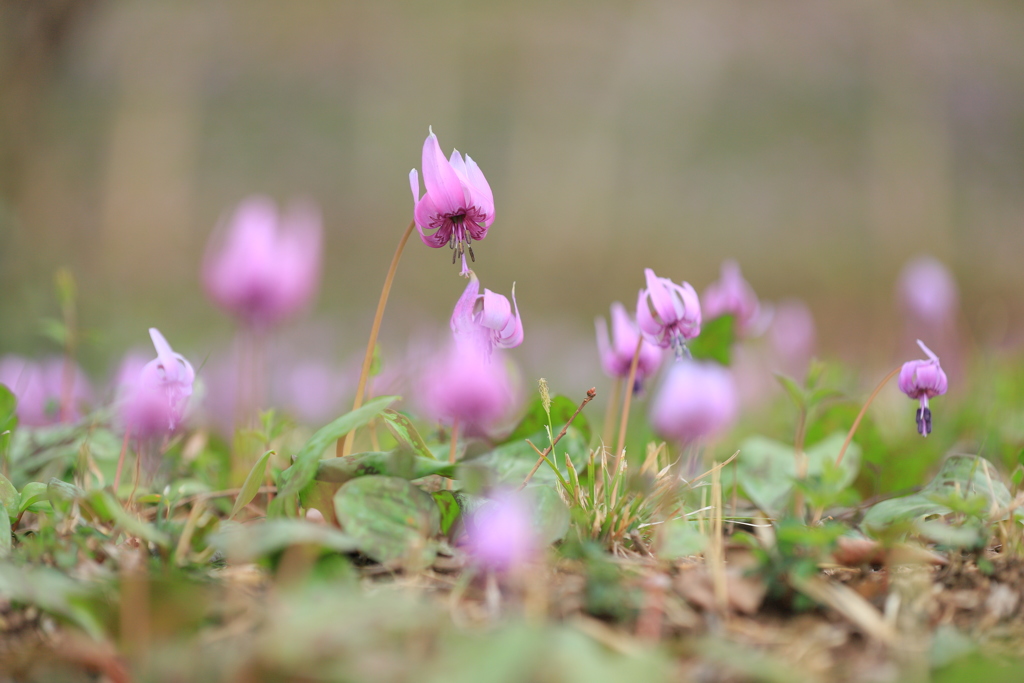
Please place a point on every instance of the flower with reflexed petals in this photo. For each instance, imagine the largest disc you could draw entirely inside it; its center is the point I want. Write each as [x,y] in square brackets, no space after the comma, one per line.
[266,266]
[668,314]
[486,320]
[732,295]
[155,404]
[923,379]
[617,351]
[458,204]
[467,386]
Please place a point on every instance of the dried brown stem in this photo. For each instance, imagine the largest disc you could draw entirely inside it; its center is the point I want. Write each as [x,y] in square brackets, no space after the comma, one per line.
[547,451]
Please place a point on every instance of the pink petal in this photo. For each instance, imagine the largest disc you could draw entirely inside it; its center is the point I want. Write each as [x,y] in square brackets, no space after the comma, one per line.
[441,180]
[414,185]
[482,195]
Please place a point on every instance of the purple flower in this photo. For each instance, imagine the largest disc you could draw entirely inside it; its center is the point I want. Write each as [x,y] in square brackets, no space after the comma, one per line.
[923,379]
[155,403]
[928,291]
[500,534]
[793,335]
[617,352]
[39,388]
[486,320]
[458,204]
[464,384]
[696,400]
[732,295]
[668,314]
[267,265]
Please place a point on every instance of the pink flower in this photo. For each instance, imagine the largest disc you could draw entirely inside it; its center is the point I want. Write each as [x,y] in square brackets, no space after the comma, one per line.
[486,320]
[928,291]
[696,400]
[923,379]
[617,352]
[793,335]
[39,387]
[155,403]
[668,314]
[266,266]
[500,534]
[458,204]
[464,384]
[732,295]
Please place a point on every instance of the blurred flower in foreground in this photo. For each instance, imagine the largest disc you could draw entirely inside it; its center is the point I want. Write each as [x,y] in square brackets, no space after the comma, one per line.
[39,388]
[668,314]
[793,336]
[928,291]
[265,266]
[458,204]
[464,384]
[617,351]
[500,534]
[923,379]
[732,295]
[155,403]
[486,320]
[696,400]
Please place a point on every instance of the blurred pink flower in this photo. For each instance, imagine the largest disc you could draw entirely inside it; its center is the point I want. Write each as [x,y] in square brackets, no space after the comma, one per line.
[464,384]
[155,403]
[617,352]
[923,379]
[500,534]
[668,314]
[458,204]
[265,266]
[696,400]
[793,336]
[732,295]
[928,291]
[486,320]
[38,388]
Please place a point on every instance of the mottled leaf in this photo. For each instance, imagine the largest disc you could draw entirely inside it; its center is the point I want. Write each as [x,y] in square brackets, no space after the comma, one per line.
[389,518]
[402,429]
[248,542]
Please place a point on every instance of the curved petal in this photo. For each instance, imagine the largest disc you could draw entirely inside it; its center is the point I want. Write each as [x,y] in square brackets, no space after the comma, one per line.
[440,179]
[496,311]
[660,297]
[511,335]
[624,333]
[426,217]
[414,185]
[483,197]
[462,317]
[604,348]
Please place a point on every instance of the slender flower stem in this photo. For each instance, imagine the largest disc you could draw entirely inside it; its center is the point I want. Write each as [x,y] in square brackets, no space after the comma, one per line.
[454,445]
[860,415]
[344,446]
[630,383]
[609,415]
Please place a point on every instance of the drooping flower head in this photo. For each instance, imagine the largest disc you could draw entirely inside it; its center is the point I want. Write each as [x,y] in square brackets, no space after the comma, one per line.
[486,320]
[266,265]
[928,291]
[458,204]
[464,384]
[732,295]
[923,379]
[617,351]
[668,314]
[156,403]
[40,387]
[500,535]
[696,400]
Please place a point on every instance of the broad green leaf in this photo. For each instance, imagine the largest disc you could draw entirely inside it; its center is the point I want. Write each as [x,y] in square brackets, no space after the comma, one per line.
[252,484]
[535,420]
[107,508]
[796,394]
[8,419]
[389,518]
[965,474]
[32,493]
[5,532]
[512,461]
[766,469]
[401,464]
[62,495]
[715,341]
[248,542]
[403,430]
[682,539]
[304,469]
[550,516]
[9,495]
[449,507]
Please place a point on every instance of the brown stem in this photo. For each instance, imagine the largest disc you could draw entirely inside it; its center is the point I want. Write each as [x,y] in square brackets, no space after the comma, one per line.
[630,383]
[454,445]
[860,415]
[547,451]
[344,446]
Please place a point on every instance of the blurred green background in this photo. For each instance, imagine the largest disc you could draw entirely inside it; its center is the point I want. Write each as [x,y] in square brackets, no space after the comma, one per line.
[820,144]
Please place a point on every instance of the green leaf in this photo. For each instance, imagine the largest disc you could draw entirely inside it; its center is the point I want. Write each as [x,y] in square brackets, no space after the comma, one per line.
[32,493]
[766,469]
[969,475]
[54,330]
[9,495]
[248,542]
[450,509]
[8,418]
[107,508]
[549,515]
[402,428]
[5,532]
[512,461]
[401,464]
[796,394]
[715,341]
[51,591]
[303,471]
[252,484]
[62,495]
[536,420]
[682,539]
[389,518]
